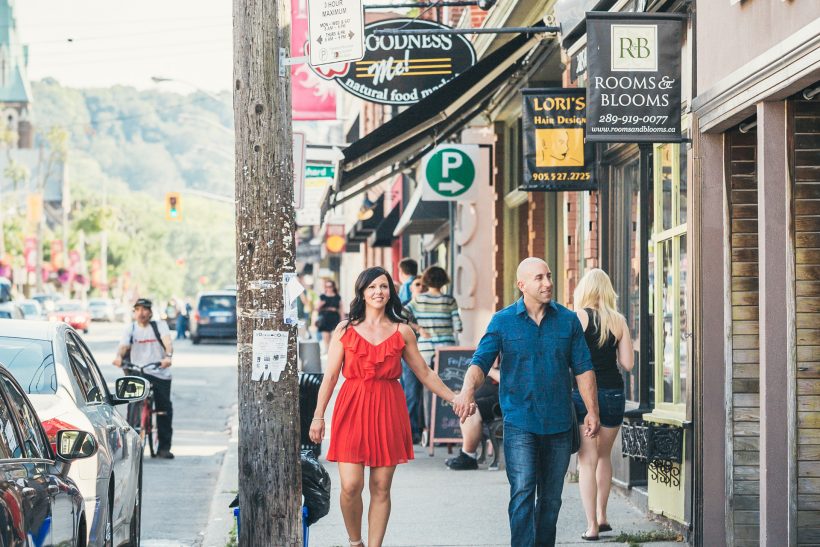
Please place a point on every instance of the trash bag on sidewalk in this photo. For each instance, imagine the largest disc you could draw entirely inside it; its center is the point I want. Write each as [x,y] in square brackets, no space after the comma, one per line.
[315,487]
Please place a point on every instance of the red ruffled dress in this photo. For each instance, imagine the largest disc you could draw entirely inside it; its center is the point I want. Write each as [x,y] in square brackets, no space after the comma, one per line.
[370,423]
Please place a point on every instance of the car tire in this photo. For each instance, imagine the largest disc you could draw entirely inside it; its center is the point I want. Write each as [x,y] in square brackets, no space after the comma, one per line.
[85,331]
[82,534]
[108,525]
[195,340]
[136,517]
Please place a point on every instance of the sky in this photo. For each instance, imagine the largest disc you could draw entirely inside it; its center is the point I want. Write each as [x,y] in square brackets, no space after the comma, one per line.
[99,43]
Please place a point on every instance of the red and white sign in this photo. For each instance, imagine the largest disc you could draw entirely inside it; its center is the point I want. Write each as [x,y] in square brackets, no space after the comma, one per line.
[314,97]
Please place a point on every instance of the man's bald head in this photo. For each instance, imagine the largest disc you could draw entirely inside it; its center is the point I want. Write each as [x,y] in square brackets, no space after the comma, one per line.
[534,280]
[528,265]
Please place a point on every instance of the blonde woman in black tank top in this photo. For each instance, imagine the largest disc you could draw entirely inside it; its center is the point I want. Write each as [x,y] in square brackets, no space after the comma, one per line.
[610,346]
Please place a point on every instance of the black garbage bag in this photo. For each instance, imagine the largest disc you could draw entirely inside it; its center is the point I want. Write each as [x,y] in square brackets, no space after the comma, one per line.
[315,487]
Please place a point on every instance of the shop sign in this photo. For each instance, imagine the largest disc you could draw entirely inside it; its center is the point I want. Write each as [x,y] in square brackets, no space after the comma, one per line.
[335,31]
[634,77]
[317,179]
[556,157]
[402,70]
[450,173]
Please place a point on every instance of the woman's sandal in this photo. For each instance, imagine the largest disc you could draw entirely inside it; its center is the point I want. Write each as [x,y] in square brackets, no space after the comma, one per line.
[604,528]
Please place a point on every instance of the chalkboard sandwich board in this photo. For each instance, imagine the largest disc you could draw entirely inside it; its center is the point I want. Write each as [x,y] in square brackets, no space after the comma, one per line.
[451,366]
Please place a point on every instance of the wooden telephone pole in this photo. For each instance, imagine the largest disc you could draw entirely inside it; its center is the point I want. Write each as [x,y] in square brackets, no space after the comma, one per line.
[270,486]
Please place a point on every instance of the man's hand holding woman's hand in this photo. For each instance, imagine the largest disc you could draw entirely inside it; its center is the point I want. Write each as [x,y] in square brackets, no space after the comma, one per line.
[464,405]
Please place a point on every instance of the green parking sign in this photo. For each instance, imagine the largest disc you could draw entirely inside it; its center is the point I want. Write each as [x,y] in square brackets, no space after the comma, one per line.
[450,172]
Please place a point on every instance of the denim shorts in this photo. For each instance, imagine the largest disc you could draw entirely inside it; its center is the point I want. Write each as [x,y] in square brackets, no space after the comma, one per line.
[611,404]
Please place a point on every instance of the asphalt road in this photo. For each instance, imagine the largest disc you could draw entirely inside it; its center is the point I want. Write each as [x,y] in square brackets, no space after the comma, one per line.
[177,493]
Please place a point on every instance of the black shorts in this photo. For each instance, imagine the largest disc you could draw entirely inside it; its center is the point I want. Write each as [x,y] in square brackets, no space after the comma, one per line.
[486,399]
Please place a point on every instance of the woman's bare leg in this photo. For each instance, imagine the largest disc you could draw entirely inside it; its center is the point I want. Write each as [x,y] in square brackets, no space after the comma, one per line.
[325,341]
[603,474]
[381,479]
[351,478]
[587,461]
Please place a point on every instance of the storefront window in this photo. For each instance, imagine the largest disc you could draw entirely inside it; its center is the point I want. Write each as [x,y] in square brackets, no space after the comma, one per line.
[668,261]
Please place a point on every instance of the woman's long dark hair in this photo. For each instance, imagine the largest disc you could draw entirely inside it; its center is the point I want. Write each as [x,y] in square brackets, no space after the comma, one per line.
[393,310]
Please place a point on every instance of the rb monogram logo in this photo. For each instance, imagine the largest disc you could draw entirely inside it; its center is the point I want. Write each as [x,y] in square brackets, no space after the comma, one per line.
[634,48]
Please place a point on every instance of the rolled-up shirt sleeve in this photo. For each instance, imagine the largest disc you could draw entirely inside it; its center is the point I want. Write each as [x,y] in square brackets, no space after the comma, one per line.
[581,360]
[488,348]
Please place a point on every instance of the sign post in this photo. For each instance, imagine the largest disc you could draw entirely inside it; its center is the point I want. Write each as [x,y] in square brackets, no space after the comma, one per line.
[335,31]
[298,170]
[450,173]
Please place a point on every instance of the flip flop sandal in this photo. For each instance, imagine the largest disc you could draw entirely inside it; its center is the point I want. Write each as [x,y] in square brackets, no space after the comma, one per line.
[589,538]
[604,528]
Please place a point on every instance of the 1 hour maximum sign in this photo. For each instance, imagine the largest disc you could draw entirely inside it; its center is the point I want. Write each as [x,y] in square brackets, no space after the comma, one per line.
[451,172]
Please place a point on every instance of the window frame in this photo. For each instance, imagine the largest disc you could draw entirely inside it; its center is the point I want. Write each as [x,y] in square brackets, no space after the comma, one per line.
[10,383]
[71,338]
[660,236]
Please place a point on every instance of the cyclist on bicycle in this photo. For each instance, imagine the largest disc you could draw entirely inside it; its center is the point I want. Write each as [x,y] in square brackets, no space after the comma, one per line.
[150,342]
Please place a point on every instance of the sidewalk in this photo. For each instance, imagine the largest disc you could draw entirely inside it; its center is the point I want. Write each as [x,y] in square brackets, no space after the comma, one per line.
[434,506]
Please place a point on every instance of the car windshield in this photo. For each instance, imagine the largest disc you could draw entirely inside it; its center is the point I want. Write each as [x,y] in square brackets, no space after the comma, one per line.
[31,362]
[69,306]
[217,303]
[28,307]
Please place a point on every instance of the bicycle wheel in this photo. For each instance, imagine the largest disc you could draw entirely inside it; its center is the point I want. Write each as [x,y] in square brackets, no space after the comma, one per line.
[148,434]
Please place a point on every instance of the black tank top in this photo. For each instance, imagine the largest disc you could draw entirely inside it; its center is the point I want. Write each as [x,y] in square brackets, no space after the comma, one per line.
[604,358]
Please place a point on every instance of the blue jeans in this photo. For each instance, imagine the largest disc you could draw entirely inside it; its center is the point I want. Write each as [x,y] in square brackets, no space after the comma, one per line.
[412,394]
[536,465]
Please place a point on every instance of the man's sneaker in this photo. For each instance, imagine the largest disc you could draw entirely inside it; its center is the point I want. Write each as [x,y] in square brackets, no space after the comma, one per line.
[462,462]
[165,454]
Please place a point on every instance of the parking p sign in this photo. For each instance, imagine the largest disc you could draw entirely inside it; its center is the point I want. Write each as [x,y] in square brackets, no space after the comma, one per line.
[450,173]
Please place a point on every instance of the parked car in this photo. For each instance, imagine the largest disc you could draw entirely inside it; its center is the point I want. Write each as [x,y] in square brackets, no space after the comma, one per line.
[11,310]
[101,309]
[214,316]
[39,503]
[68,391]
[47,300]
[32,310]
[72,312]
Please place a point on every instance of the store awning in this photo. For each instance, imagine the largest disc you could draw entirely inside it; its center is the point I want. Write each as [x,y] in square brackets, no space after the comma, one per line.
[383,236]
[422,217]
[404,139]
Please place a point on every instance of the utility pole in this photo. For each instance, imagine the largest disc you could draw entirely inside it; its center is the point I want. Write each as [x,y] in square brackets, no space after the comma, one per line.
[270,486]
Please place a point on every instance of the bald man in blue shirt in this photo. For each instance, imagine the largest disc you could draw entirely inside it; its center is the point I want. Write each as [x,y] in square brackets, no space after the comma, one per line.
[539,342]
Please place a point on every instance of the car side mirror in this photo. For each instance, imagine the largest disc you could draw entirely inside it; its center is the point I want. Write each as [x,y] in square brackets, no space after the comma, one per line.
[75,445]
[129,389]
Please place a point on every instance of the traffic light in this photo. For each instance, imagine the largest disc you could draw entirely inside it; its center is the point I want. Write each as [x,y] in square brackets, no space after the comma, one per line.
[173,206]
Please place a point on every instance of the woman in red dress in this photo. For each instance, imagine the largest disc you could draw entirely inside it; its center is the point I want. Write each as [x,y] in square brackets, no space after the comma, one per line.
[371,426]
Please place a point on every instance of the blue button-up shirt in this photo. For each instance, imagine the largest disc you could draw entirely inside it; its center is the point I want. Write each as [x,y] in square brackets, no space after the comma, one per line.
[535,362]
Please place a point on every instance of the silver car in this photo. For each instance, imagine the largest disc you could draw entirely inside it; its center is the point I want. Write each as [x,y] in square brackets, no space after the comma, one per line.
[51,362]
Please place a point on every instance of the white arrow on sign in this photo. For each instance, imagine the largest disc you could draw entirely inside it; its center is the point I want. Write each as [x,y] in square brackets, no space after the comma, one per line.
[451,186]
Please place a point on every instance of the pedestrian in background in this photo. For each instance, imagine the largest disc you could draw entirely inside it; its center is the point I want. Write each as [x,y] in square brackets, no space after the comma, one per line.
[434,315]
[610,344]
[410,384]
[182,319]
[371,426]
[408,270]
[329,312]
[539,342]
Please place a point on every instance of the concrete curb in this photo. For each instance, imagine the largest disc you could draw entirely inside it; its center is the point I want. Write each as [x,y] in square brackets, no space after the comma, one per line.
[220,517]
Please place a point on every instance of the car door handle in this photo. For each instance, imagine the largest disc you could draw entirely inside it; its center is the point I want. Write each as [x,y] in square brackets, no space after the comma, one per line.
[53,489]
[29,492]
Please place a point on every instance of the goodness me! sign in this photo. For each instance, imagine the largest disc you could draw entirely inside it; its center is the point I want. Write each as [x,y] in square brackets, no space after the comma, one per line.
[634,77]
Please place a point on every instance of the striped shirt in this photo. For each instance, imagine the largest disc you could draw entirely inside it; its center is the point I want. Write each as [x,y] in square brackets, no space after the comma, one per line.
[438,316]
